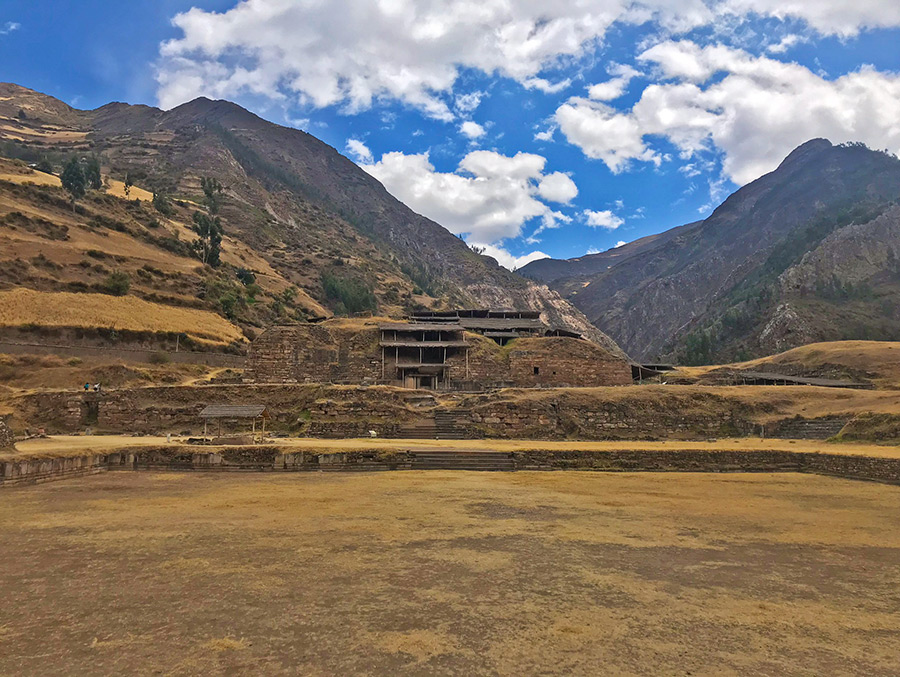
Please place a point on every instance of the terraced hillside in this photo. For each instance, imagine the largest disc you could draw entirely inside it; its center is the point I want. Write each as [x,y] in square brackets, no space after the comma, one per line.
[297,216]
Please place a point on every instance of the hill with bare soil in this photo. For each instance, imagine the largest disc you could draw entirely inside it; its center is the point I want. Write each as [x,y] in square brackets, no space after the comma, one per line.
[317,234]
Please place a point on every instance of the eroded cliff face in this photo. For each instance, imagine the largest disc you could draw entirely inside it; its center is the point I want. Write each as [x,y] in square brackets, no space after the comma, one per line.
[859,254]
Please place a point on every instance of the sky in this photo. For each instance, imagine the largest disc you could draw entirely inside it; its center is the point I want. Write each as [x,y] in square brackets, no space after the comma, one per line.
[529,128]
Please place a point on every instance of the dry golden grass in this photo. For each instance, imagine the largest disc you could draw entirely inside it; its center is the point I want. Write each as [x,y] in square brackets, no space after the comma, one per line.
[39,178]
[770,403]
[880,358]
[451,573]
[21,307]
[78,445]
[117,189]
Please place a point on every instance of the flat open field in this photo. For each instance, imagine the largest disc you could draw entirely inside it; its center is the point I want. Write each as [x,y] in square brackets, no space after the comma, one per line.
[450,573]
[80,445]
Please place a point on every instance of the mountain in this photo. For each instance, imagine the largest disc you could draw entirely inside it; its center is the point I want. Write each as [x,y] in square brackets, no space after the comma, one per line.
[296,213]
[808,252]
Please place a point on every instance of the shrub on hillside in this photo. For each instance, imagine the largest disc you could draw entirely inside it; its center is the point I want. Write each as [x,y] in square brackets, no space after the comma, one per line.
[117,283]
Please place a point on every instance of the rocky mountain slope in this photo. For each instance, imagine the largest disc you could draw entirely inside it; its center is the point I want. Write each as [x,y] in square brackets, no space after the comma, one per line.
[297,214]
[805,253]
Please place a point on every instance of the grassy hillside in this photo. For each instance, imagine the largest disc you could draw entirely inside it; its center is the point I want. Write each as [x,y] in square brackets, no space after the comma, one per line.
[875,361]
[27,308]
[296,213]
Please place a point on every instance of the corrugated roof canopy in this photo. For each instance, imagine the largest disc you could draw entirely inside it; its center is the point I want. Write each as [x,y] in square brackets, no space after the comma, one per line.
[235,411]
[420,326]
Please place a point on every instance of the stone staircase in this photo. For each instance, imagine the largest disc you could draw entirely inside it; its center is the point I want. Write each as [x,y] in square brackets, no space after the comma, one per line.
[447,424]
[442,425]
[461,459]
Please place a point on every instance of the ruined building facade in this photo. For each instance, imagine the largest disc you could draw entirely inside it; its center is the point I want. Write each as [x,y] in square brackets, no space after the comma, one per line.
[451,353]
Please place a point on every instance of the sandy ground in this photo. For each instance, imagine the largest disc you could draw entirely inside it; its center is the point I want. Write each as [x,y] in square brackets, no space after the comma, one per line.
[77,445]
[443,573]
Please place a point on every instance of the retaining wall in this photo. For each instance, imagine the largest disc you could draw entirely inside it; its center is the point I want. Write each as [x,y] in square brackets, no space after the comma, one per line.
[125,354]
[266,458]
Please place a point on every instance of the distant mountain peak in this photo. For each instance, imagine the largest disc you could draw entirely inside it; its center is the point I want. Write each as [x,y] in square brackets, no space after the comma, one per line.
[804,152]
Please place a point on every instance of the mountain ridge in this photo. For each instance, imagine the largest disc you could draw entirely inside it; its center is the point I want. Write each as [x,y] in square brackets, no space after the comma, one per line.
[309,210]
[707,290]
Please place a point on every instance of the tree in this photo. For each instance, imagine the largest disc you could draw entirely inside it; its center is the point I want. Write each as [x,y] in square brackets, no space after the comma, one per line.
[209,245]
[117,283]
[162,204]
[44,166]
[92,173]
[212,194]
[129,182]
[245,276]
[73,180]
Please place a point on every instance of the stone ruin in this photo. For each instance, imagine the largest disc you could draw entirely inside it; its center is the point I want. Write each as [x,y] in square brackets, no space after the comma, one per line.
[6,437]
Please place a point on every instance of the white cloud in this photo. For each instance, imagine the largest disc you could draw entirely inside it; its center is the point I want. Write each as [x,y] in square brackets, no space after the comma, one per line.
[752,109]
[602,219]
[558,187]
[507,260]
[472,129]
[490,196]
[788,41]
[467,103]
[349,53]
[614,88]
[620,243]
[9,27]
[832,17]
[359,151]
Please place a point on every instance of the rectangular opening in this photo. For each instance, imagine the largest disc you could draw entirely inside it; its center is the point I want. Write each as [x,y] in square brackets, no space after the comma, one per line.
[537,371]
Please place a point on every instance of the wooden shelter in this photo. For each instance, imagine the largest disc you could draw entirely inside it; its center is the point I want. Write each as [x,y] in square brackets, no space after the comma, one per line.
[255,413]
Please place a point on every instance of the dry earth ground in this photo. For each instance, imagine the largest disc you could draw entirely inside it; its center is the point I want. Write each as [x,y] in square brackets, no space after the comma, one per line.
[450,573]
[61,446]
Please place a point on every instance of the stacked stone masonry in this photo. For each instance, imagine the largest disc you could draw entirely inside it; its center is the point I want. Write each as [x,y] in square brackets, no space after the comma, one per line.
[339,354]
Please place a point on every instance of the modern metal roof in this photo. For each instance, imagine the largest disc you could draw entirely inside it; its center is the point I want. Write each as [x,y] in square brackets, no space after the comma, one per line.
[798,380]
[476,312]
[235,411]
[485,323]
[389,343]
[420,326]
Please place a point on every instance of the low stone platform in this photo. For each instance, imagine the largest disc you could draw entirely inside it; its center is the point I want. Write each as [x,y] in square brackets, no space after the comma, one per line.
[270,458]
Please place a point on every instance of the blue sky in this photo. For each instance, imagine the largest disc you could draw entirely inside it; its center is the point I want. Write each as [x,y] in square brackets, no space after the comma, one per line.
[530,128]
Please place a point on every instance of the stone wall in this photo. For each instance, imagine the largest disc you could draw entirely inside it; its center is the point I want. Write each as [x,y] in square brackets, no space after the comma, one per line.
[304,409]
[314,353]
[337,353]
[6,436]
[559,361]
[268,458]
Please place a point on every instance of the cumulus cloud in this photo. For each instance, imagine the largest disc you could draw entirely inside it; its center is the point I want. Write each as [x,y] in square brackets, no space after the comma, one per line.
[491,196]
[472,129]
[558,187]
[620,243]
[831,17]
[359,151]
[753,109]
[351,53]
[602,219]
[507,260]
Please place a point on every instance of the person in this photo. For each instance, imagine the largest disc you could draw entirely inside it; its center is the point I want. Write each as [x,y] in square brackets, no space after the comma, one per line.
[96,387]
[87,387]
